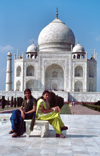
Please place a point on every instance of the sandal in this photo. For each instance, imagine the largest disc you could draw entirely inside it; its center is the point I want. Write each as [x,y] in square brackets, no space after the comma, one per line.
[12,131]
[15,135]
[64,128]
[60,136]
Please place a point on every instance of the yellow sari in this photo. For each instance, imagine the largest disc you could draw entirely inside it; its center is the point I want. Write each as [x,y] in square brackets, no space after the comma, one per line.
[53,117]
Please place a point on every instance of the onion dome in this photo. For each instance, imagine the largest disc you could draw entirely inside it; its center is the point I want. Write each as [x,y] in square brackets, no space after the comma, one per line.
[31,51]
[78,48]
[32,48]
[57,36]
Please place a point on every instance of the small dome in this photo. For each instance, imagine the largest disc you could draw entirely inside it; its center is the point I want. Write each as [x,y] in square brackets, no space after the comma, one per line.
[78,48]
[9,54]
[32,48]
[56,35]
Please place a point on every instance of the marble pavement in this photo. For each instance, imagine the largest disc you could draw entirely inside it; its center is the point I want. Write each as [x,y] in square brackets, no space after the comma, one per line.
[82,139]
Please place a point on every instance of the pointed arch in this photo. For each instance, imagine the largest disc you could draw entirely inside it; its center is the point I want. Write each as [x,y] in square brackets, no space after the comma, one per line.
[30,71]
[18,71]
[91,87]
[78,56]
[74,56]
[78,71]
[18,85]
[54,77]
[78,86]
[91,71]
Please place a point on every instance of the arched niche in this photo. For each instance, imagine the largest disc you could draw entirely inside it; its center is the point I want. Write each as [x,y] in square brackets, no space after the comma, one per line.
[78,56]
[18,71]
[78,71]
[30,71]
[18,86]
[78,86]
[74,56]
[54,77]
[91,71]
[30,84]
[91,89]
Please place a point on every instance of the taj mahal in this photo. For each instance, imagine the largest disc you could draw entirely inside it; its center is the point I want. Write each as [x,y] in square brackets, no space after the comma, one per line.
[55,64]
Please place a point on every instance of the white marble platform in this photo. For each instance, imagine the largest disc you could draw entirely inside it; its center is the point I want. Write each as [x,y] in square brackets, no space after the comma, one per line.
[82,139]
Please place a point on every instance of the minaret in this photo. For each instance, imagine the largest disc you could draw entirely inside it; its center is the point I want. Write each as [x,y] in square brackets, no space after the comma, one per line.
[95,55]
[17,53]
[9,72]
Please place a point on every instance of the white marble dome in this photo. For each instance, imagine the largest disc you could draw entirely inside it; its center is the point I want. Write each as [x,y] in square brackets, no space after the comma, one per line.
[78,48]
[32,48]
[56,35]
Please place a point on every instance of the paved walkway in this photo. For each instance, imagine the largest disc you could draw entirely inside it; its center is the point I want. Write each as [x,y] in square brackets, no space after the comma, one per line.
[82,110]
[76,109]
[82,139]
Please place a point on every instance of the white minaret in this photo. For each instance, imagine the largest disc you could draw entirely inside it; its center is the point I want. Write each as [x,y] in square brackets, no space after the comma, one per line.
[9,72]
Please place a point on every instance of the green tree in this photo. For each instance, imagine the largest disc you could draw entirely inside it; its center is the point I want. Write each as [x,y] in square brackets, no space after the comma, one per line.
[8,102]
[17,103]
[20,101]
[3,102]
[55,100]
[12,101]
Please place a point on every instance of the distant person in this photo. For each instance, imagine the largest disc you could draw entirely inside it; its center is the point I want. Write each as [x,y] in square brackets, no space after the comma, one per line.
[44,112]
[27,111]
[73,103]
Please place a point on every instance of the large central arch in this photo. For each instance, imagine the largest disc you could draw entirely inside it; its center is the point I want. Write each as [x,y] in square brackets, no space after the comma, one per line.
[54,77]
[78,86]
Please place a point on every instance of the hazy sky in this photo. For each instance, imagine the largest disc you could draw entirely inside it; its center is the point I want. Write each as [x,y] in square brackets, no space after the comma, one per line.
[22,20]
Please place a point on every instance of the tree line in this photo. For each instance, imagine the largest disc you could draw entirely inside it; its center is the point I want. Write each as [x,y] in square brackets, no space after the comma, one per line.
[54,100]
[14,102]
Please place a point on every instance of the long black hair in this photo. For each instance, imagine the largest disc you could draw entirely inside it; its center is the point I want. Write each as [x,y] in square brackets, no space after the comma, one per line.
[27,90]
[44,92]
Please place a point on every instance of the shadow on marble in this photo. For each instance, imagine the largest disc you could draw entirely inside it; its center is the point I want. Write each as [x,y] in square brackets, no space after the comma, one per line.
[80,136]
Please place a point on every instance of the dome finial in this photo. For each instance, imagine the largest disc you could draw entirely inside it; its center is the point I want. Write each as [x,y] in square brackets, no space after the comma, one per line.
[57,13]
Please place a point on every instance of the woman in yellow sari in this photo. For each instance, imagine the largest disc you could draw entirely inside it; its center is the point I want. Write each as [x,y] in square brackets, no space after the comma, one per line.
[44,112]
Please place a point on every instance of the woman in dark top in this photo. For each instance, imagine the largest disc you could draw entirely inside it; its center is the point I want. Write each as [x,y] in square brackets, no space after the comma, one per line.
[27,111]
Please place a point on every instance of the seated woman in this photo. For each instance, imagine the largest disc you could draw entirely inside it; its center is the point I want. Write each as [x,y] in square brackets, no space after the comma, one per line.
[44,112]
[27,111]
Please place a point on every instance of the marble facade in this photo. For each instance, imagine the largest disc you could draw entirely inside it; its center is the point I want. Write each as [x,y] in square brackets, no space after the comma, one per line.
[56,64]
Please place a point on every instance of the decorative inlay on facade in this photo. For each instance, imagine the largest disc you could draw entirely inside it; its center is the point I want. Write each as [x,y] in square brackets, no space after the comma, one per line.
[61,63]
